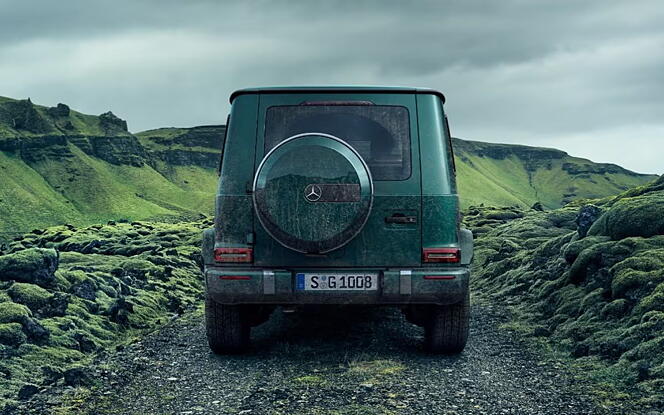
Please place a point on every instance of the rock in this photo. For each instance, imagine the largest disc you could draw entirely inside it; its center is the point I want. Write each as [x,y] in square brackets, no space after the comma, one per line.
[34,265]
[30,295]
[120,310]
[24,116]
[78,376]
[51,374]
[110,121]
[27,391]
[88,249]
[35,331]
[537,206]
[588,214]
[541,332]
[86,289]
[61,110]
[57,306]
[637,216]
[11,334]
[85,343]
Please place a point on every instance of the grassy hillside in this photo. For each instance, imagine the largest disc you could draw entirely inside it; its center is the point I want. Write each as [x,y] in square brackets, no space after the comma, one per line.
[506,175]
[585,281]
[60,166]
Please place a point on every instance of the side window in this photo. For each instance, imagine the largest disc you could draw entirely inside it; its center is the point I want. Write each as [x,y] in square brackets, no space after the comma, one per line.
[223,142]
[450,157]
[450,154]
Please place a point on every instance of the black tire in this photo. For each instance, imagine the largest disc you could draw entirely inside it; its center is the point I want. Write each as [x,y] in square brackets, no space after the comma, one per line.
[447,328]
[227,330]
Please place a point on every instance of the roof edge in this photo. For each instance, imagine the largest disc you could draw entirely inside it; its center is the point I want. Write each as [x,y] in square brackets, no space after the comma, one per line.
[336,90]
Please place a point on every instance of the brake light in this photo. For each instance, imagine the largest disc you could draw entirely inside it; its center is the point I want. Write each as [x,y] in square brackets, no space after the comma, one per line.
[234,277]
[233,254]
[439,277]
[450,255]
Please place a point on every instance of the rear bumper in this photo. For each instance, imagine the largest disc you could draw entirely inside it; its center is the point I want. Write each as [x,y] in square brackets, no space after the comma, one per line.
[396,287]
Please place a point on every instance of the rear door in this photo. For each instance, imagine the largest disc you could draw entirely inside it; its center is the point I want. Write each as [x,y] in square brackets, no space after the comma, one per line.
[382,128]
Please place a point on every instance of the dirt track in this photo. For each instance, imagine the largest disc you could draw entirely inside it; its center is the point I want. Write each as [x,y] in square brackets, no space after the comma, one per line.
[334,362]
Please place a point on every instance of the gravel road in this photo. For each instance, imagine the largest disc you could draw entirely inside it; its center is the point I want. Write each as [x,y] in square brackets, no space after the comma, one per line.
[340,361]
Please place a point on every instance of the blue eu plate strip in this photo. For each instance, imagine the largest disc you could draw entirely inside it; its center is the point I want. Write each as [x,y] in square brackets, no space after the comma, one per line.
[299,281]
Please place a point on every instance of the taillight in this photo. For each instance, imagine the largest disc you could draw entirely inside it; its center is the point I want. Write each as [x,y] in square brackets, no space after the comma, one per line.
[233,254]
[450,255]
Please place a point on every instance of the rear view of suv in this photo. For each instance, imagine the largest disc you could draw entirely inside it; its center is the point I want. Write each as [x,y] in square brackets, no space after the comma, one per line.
[337,195]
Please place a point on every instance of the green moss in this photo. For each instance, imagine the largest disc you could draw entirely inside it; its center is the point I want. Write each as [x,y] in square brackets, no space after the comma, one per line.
[639,216]
[14,313]
[599,298]
[30,265]
[615,309]
[309,380]
[139,268]
[654,301]
[30,295]
[11,334]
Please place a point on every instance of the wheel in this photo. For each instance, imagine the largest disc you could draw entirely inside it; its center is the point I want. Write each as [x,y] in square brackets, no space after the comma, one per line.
[227,330]
[447,327]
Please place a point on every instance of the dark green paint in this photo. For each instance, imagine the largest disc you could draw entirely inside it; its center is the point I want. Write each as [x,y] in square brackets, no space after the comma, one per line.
[428,195]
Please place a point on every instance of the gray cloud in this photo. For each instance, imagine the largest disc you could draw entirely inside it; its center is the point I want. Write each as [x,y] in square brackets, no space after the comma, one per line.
[581,76]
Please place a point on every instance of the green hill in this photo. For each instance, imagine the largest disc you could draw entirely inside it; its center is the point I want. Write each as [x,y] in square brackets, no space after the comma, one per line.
[60,166]
[506,175]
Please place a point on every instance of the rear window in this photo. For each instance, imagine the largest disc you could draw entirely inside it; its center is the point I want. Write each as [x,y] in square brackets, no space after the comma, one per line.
[379,133]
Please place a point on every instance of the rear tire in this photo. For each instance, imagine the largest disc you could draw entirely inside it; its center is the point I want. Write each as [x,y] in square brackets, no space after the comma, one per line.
[447,328]
[227,330]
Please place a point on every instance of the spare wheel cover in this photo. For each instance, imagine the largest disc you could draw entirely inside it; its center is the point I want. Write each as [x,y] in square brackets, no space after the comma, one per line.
[313,193]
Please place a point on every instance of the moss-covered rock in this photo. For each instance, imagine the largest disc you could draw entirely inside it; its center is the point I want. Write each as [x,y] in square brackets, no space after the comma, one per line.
[34,265]
[11,334]
[634,216]
[31,295]
[112,282]
[600,297]
[14,313]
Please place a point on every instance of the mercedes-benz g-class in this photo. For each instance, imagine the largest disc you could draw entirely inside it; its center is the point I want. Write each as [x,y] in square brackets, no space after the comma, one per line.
[337,195]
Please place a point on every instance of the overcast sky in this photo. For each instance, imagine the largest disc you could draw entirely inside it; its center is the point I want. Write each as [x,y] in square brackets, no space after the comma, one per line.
[583,76]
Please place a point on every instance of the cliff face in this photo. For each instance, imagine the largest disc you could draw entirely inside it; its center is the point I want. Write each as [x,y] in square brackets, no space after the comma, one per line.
[36,134]
[196,146]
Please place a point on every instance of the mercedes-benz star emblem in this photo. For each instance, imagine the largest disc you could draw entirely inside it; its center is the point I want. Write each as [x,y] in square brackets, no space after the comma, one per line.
[312,193]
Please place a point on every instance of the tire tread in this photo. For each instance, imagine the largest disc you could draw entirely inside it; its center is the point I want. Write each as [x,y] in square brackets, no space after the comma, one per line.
[447,329]
[227,332]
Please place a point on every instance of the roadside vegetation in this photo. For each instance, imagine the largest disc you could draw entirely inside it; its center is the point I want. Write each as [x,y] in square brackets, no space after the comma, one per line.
[586,282]
[68,294]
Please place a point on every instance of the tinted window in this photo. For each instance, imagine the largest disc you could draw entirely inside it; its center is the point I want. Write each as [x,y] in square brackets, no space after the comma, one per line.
[379,133]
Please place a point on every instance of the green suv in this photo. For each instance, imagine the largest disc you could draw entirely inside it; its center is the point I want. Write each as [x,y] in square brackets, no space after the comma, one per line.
[337,195]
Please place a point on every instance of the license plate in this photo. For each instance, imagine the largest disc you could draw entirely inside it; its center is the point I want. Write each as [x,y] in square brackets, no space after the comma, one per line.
[336,282]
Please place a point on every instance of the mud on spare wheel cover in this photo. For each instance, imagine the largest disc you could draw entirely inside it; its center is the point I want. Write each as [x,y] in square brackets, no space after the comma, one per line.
[313,193]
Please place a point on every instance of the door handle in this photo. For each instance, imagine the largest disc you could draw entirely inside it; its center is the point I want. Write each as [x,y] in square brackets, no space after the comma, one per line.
[400,218]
